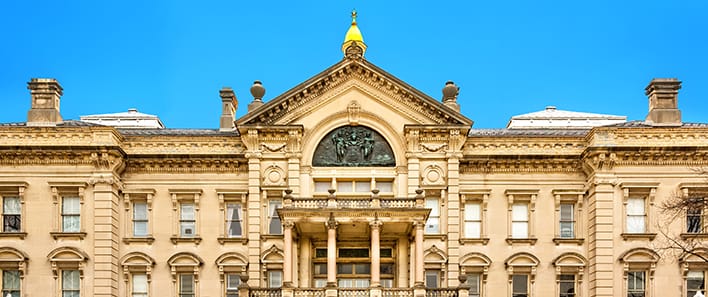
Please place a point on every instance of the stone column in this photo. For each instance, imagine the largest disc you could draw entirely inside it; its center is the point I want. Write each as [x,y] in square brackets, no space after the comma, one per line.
[402,262]
[288,253]
[331,252]
[419,270]
[375,253]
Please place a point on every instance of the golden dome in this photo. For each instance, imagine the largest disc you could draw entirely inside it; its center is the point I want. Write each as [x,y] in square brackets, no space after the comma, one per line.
[353,36]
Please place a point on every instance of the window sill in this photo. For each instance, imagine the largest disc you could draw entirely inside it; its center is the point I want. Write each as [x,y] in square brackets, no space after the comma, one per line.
[530,241]
[483,240]
[146,239]
[560,240]
[68,235]
[442,237]
[638,236]
[271,236]
[685,236]
[195,239]
[223,240]
[20,235]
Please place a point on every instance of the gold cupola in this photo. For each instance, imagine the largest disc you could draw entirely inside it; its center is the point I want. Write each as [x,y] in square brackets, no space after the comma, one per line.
[353,37]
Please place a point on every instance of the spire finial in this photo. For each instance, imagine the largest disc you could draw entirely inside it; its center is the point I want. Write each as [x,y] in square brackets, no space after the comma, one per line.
[353,38]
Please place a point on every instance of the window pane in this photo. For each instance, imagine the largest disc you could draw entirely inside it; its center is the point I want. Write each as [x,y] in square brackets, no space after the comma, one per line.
[693,220]
[11,280]
[473,281]
[385,186]
[186,211]
[140,229]
[70,280]
[695,283]
[519,230]
[432,203]
[322,186]
[432,226]
[140,211]
[635,206]
[186,229]
[519,212]
[473,230]
[567,285]
[70,205]
[566,212]
[275,226]
[233,217]
[275,279]
[11,205]
[344,186]
[519,284]
[566,230]
[12,223]
[70,223]
[363,186]
[232,281]
[472,212]
[345,268]
[186,283]
[386,268]
[362,268]
[431,279]
[635,224]
[140,283]
[387,283]
[320,283]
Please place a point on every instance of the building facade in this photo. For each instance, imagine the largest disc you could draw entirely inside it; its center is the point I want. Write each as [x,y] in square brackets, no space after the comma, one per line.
[351,184]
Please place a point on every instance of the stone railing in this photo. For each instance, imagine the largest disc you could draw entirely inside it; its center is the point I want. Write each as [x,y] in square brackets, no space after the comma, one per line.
[341,292]
[441,292]
[309,292]
[373,201]
[396,292]
[264,292]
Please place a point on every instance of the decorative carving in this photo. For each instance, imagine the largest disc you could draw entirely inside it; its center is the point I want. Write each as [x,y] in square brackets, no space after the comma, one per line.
[433,175]
[353,146]
[273,148]
[273,175]
[353,110]
[433,147]
[354,51]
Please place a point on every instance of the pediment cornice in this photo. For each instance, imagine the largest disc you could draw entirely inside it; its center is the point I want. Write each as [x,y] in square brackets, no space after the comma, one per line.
[290,105]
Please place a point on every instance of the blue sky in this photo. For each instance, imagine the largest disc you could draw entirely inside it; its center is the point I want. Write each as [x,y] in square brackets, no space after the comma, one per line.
[170,58]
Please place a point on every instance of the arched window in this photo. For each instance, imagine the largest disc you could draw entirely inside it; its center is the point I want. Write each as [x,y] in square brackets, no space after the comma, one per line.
[694,269]
[639,265]
[68,265]
[272,265]
[569,273]
[435,262]
[475,267]
[232,271]
[137,273]
[13,264]
[184,268]
[521,268]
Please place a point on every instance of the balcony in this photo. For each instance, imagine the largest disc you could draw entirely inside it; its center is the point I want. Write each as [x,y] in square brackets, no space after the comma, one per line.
[350,202]
[348,292]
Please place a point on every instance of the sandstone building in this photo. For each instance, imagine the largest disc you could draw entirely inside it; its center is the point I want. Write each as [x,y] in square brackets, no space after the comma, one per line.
[350,184]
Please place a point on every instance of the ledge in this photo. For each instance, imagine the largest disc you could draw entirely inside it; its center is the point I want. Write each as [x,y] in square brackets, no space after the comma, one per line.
[685,236]
[442,237]
[559,240]
[271,236]
[223,240]
[195,239]
[146,239]
[19,235]
[483,240]
[530,241]
[68,235]
[638,236]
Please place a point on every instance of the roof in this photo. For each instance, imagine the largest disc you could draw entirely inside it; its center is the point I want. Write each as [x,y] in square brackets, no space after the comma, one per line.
[66,123]
[176,132]
[527,132]
[551,117]
[130,119]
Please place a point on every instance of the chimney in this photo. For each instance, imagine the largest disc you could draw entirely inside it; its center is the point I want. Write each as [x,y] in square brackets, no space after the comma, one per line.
[450,92]
[46,94]
[663,102]
[258,91]
[229,103]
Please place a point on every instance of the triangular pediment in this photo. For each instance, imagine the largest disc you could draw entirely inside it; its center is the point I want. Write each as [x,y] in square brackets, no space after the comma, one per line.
[339,82]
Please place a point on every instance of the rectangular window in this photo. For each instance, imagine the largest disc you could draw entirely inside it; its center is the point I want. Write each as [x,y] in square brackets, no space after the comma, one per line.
[275,278]
[233,280]
[474,282]
[433,224]
[234,217]
[636,215]
[187,221]
[519,285]
[432,279]
[186,285]
[387,283]
[635,284]
[473,220]
[320,282]
[520,220]
[11,214]
[322,186]
[694,220]
[567,220]
[140,219]
[70,283]
[566,285]
[274,226]
[70,214]
[140,285]
[695,283]
[11,283]
[384,186]
[353,283]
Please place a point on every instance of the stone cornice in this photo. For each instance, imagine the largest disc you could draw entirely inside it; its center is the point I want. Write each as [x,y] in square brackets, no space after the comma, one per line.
[647,137]
[100,158]
[59,136]
[490,146]
[521,164]
[151,145]
[187,164]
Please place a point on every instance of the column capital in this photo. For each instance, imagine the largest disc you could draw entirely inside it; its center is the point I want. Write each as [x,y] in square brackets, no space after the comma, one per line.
[419,224]
[375,224]
[331,223]
[288,224]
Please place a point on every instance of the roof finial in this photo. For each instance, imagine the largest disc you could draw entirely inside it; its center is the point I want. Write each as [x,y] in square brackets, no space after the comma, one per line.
[354,46]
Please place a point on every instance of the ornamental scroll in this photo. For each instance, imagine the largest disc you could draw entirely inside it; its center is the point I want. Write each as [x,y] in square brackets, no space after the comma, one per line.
[353,146]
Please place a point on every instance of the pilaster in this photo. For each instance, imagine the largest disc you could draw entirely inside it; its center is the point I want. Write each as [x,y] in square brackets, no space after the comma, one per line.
[600,233]
[106,235]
